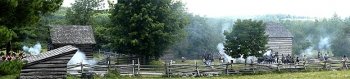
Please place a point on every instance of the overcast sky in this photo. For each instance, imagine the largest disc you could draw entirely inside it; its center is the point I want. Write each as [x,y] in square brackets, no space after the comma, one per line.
[220,8]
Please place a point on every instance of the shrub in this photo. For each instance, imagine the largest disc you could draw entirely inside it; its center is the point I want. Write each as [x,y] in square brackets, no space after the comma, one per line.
[112,74]
[11,67]
[157,63]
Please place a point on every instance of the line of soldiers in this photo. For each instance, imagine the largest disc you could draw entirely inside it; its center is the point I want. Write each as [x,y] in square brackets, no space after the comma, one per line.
[325,57]
[289,59]
[285,59]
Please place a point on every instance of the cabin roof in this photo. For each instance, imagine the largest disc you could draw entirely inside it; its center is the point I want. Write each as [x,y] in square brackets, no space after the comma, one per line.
[72,34]
[277,30]
[53,53]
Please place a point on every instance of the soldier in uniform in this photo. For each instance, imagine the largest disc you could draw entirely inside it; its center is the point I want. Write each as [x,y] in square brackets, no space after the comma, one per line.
[345,59]
[276,55]
[283,59]
[318,54]
[297,60]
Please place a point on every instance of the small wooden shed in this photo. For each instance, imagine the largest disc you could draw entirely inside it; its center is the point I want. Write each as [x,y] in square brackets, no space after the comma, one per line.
[81,37]
[280,39]
[49,65]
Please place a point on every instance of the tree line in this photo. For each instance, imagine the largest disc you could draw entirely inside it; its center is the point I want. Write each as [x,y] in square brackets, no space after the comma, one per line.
[152,28]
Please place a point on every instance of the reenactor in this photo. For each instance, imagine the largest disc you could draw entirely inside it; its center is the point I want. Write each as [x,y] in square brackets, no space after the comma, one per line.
[283,59]
[345,59]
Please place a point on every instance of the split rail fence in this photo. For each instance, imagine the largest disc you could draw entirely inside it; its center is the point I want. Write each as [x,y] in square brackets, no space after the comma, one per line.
[198,69]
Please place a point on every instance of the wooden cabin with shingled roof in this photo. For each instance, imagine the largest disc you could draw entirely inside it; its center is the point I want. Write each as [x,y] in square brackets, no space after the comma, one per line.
[279,39]
[78,36]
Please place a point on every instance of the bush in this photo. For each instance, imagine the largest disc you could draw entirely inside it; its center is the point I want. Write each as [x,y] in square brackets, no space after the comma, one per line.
[11,67]
[157,63]
[112,74]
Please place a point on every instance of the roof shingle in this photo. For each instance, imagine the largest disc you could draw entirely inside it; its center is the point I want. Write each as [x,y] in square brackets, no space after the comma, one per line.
[49,54]
[277,30]
[72,34]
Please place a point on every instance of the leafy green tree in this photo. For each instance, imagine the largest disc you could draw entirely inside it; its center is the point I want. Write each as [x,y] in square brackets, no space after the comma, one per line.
[147,27]
[6,35]
[248,37]
[82,11]
[340,45]
[101,32]
[18,16]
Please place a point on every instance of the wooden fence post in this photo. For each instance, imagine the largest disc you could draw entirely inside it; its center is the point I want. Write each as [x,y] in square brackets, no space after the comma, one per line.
[252,65]
[138,66]
[197,71]
[166,69]
[325,65]
[81,67]
[226,69]
[133,67]
[108,62]
[304,64]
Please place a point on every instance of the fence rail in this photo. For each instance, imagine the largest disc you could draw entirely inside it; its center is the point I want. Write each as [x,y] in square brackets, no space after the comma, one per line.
[196,69]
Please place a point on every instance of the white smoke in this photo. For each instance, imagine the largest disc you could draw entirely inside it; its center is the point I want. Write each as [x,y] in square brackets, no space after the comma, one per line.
[240,59]
[267,53]
[251,58]
[309,52]
[79,57]
[35,50]
[324,43]
[227,58]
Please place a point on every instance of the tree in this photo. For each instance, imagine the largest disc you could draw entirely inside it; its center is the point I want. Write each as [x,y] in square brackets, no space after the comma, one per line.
[147,27]
[247,37]
[340,45]
[202,36]
[19,15]
[6,35]
[82,11]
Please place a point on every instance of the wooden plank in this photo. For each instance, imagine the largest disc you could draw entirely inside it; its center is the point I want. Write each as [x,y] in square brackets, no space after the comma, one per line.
[45,70]
[55,62]
[44,77]
[64,58]
[47,66]
[42,73]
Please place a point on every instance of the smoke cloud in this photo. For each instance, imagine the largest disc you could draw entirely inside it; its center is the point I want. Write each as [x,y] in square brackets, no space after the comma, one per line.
[35,50]
[79,57]
[227,58]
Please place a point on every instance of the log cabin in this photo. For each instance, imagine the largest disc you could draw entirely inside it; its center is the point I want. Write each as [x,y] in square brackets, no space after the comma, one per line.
[78,36]
[48,65]
[280,39]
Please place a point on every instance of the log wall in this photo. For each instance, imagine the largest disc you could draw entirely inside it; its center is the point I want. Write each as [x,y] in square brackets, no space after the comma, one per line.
[280,45]
[50,68]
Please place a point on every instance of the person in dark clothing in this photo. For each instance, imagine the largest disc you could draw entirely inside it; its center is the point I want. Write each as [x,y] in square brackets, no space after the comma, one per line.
[283,59]
[318,54]
[297,60]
